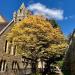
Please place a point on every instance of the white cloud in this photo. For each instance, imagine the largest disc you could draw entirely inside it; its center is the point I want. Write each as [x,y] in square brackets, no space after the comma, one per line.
[39,8]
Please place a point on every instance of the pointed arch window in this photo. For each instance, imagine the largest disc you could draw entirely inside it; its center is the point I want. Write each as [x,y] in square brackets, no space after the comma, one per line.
[3,65]
[15,65]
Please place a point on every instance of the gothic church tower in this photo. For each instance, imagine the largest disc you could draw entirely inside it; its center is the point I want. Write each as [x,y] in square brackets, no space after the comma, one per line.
[21,13]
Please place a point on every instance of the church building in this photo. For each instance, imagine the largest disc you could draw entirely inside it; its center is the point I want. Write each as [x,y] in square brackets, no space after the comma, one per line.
[9,60]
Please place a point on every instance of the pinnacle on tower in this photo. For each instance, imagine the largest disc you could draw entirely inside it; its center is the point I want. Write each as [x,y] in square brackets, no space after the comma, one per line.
[21,13]
[22,6]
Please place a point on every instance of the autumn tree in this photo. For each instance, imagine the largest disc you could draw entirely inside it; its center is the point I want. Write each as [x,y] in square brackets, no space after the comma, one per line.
[35,37]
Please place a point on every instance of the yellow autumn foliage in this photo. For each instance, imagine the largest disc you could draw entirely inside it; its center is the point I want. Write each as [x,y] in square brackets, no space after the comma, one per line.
[37,33]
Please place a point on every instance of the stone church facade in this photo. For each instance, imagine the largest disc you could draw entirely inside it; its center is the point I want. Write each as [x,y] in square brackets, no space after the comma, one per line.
[10,62]
[69,61]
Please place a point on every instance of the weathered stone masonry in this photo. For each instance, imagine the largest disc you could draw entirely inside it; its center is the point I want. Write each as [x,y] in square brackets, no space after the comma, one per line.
[9,60]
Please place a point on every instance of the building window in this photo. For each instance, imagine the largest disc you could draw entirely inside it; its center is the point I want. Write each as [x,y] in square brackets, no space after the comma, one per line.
[5,45]
[20,10]
[15,65]
[19,19]
[3,65]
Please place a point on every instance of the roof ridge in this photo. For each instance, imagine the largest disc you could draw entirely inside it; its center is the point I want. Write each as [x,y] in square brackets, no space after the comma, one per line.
[6,27]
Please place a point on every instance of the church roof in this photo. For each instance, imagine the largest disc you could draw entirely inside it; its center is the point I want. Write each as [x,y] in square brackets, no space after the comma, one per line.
[2,25]
[3,22]
[2,19]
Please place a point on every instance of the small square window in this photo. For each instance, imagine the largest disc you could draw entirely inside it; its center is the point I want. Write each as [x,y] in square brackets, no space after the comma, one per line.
[19,19]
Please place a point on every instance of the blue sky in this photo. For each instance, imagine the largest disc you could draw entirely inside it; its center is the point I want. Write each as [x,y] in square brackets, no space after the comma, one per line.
[62,10]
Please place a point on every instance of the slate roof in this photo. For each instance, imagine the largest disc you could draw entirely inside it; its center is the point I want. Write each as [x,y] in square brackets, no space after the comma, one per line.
[3,22]
[2,25]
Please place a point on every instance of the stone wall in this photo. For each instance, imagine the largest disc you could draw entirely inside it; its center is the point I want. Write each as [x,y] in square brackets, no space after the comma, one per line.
[6,59]
[69,63]
[3,37]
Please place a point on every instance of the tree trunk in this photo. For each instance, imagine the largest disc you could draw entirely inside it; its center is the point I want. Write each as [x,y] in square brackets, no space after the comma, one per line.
[47,69]
[34,67]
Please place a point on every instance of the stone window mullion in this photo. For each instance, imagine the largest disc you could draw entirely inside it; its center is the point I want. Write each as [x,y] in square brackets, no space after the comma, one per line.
[7,48]
[12,49]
